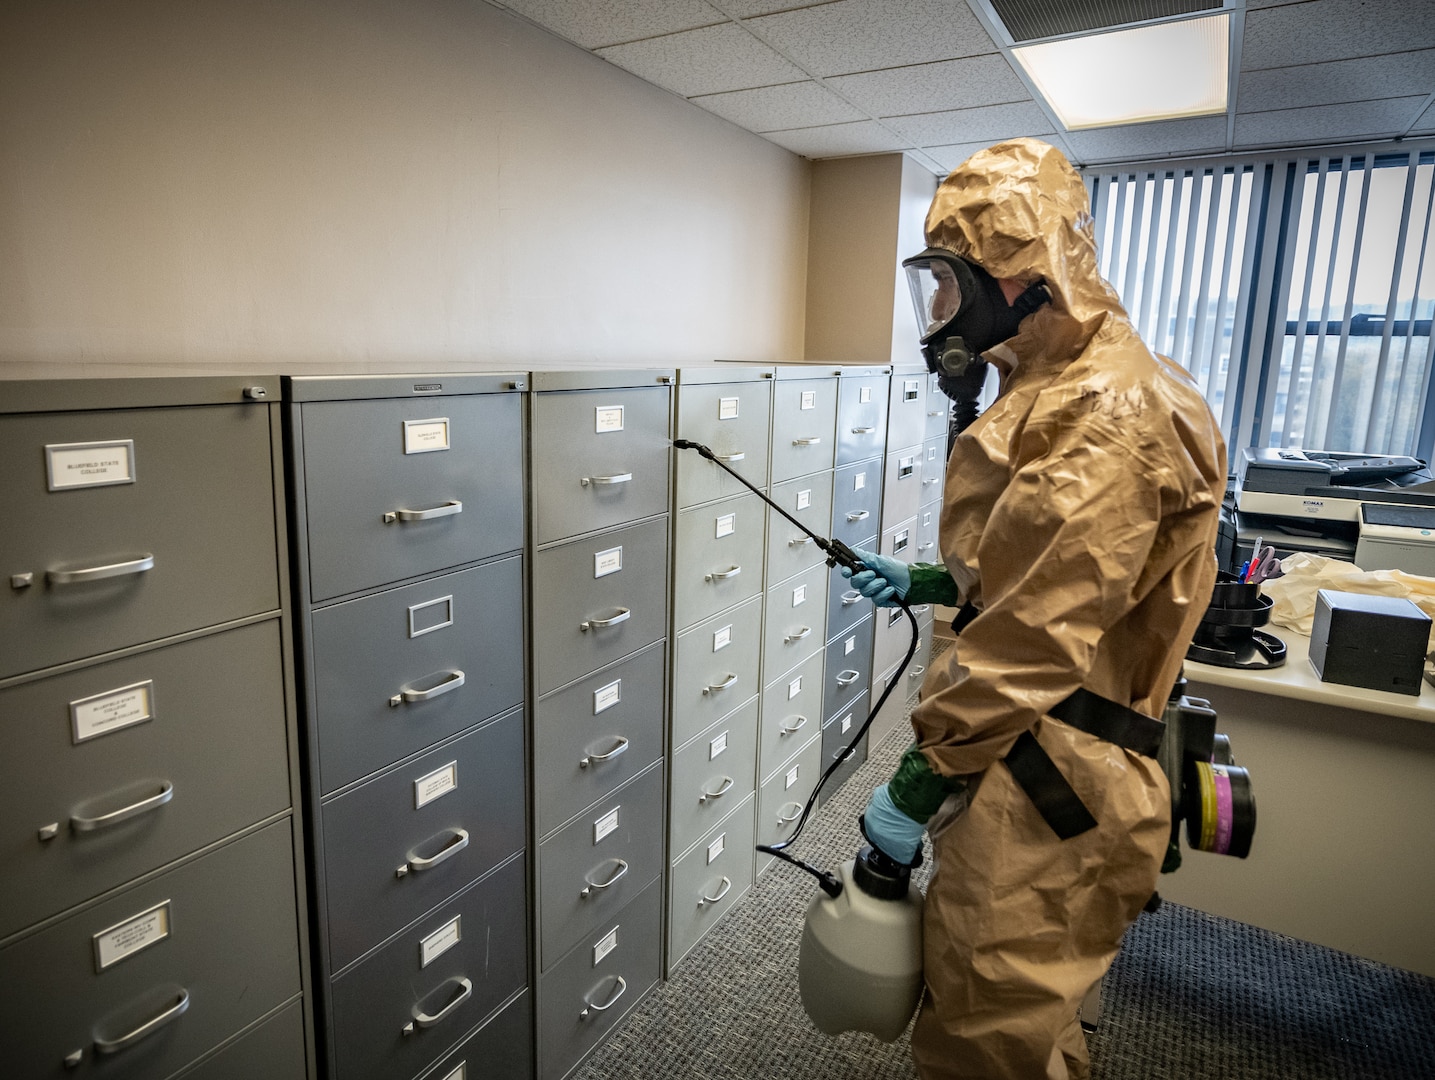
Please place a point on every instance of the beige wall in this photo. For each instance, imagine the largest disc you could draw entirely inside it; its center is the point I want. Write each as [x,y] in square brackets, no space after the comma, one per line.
[373,182]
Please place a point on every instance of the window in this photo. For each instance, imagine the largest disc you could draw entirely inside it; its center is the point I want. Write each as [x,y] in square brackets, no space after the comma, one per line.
[1298,291]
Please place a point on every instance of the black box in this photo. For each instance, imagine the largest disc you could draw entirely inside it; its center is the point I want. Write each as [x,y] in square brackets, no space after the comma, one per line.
[1378,642]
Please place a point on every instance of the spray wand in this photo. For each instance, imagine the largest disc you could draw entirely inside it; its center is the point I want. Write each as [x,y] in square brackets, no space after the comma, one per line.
[837,554]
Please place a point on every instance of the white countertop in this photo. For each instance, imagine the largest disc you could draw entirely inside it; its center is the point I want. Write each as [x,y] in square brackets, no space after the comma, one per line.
[1297,679]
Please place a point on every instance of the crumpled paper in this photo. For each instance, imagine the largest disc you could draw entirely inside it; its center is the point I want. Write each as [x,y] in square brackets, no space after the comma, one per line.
[1293,594]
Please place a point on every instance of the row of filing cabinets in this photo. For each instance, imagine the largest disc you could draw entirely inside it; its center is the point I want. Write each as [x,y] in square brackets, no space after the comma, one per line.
[151,916]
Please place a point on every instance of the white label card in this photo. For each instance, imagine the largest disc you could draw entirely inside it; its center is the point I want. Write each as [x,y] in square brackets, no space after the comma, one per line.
[791,777]
[440,941]
[113,710]
[608,418]
[716,848]
[129,937]
[859,481]
[722,638]
[604,947]
[717,746]
[795,686]
[425,436]
[607,562]
[605,825]
[90,464]
[804,498]
[846,724]
[727,408]
[799,595]
[809,399]
[864,395]
[605,697]
[460,1073]
[437,783]
[849,645]
[726,525]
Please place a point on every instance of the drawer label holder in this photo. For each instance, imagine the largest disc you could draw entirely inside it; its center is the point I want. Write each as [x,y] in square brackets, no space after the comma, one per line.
[605,697]
[124,939]
[606,825]
[435,785]
[111,711]
[605,946]
[426,436]
[434,945]
[89,464]
[608,418]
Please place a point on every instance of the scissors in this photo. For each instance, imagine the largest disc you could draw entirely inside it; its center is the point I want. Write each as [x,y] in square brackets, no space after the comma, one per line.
[1263,565]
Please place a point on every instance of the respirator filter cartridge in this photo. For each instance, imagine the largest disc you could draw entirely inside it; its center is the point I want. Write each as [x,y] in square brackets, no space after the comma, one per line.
[1220,808]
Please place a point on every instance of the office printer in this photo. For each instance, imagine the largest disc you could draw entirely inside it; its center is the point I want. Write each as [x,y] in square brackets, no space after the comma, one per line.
[1380,508]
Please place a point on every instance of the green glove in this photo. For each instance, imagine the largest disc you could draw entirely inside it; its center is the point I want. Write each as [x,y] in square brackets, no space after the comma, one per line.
[916,789]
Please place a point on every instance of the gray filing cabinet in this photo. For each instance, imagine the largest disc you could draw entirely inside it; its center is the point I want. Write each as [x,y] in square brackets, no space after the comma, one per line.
[408,535]
[600,460]
[151,919]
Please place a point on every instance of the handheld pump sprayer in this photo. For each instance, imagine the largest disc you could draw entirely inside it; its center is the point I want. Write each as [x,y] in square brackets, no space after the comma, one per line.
[860,965]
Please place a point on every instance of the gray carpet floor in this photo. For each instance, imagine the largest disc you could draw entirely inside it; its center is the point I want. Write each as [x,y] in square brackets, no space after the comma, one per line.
[1190,997]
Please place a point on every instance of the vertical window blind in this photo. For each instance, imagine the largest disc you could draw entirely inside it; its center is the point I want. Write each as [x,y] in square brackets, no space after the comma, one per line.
[1297,290]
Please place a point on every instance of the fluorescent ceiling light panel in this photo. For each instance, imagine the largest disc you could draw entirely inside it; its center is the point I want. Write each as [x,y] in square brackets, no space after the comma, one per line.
[1155,72]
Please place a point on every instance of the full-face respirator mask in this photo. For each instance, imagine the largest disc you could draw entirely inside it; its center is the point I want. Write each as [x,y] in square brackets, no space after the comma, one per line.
[961,313]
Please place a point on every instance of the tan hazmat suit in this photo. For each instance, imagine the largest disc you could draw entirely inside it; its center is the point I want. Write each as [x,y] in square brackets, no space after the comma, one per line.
[1080,520]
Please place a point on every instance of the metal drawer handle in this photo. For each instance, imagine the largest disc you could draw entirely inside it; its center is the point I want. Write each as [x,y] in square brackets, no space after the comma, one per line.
[730,457]
[863,430]
[850,597]
[807,442]
[443,509]
[723,575]
[861,515]
[726,887]
[726,684]
[153,802]
[149,1027]
[97,573]
[932,480]
[616,478]
[806,631]
[926,546]
[723,789]
[620,988]
[788,819]
[921,609]
[939,412]
[794,728]
[457,843]
[593,759]
[599,624]
[799,541]
[616,876]
[842,753]
[916,672]
[848,677]
[424,1020]
[452,681]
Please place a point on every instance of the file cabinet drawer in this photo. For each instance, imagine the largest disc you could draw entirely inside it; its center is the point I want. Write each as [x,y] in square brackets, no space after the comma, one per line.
[597,734]
[901,485]
[791,713]
[717,557]
[929,521]
[861,416]
[395,488]
[707,881]
[408,1003]
[892,637]
[731,419]
[186,542]
[598,599]
[502,1048]
[402,842]
[599,861]
[938,409]
[784,794]
[712,774]
[147,980]
[600,458]
[129,764]
[789,549]
[274,1051]
[934,468]
[833,749]
[907,407]
[593,986]
[403,669]
[795,621]
[846,607]
[716,668]
[856,501]
[900,541]
[848,667]
[803,414]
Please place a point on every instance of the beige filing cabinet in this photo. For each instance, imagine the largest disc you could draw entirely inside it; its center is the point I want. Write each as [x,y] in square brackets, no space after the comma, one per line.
[151,916]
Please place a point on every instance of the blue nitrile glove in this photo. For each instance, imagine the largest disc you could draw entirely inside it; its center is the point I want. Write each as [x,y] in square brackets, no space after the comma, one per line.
[892,832]
[884,582]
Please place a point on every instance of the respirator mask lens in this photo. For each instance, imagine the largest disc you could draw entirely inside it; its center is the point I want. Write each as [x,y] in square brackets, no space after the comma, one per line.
[940,284]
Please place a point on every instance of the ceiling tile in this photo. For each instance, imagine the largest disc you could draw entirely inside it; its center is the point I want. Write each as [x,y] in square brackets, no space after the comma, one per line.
[948,84]
[774,108]
[1132,142]
[1397,75]
[1321,30]
[1426,123]
[1327,123]
[864,35]
[745,9]
[838,140]
[607,22]
[990,123]
[707,61]
[949,157]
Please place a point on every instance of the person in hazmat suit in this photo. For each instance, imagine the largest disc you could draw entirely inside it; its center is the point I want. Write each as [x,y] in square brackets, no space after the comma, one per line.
[1077,535]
